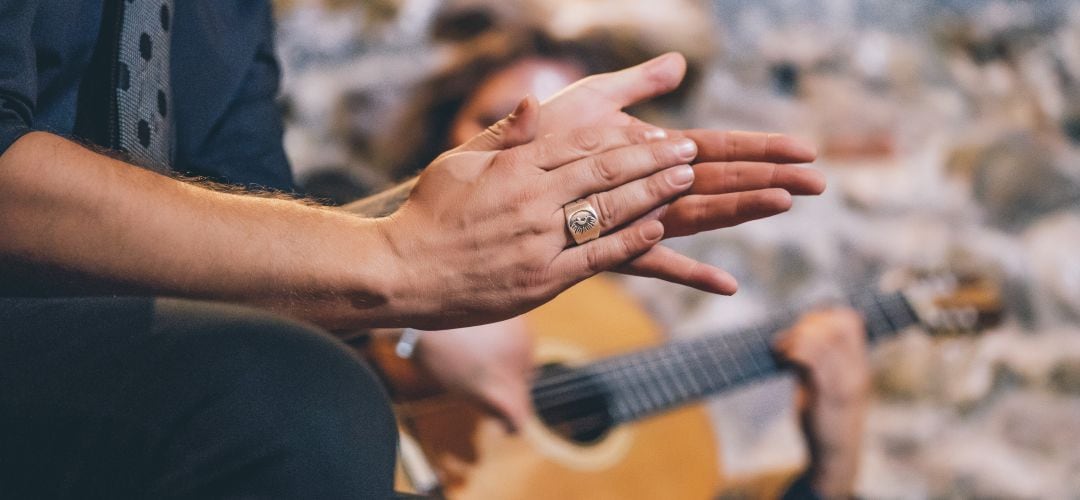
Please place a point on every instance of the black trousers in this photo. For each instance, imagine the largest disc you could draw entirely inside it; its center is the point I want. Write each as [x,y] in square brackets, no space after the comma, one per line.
[158,398]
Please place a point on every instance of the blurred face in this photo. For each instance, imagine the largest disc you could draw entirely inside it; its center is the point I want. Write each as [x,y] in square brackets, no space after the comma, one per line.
[499,94]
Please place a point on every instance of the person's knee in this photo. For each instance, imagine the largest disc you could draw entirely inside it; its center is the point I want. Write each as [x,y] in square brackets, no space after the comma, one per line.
[282,388]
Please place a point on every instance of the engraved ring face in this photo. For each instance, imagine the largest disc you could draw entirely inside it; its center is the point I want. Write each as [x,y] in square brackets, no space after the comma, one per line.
[582,221]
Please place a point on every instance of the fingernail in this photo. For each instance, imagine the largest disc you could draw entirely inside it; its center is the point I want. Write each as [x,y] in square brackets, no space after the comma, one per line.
[655,134]
[686,149]
[652,230]
[680,176]
[521,107]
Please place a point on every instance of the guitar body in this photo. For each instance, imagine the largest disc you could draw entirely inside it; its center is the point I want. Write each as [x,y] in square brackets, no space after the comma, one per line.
[671,455]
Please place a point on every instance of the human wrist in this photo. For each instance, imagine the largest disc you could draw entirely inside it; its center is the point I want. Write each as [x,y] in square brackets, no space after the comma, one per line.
[833,476]
[402,285]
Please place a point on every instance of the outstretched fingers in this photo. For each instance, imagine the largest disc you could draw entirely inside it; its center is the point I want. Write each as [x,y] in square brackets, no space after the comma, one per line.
[718,145]
[693,214]
[732,177]
[664,263]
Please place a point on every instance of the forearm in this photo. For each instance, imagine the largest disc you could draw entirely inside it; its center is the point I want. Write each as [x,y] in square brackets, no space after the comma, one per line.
[835,448]
[833,474]
[122,229]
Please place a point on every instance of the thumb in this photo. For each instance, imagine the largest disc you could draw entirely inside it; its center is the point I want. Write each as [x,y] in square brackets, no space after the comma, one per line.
[510,404]
[635,84]
[516,129]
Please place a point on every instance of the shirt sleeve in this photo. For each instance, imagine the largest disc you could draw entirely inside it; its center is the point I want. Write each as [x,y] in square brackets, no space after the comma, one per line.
[18,76]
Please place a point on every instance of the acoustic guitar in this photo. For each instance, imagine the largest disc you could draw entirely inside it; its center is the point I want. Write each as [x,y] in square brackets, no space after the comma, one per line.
[614,414]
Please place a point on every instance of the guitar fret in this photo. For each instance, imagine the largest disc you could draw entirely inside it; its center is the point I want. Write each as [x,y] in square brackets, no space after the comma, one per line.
[898,303]
[703,363]
[881,310]
[734,359]
[635,402]
[690,361]
[661,379]
[753,355]
[671,383]
[619,410]
[648,378]
[751,345]
[664,392]
[715,363]
[733,341]
[746,360]
[871,313]
[682,382]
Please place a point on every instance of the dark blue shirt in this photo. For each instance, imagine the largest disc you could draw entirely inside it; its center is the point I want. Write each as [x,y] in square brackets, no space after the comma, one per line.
[224,82]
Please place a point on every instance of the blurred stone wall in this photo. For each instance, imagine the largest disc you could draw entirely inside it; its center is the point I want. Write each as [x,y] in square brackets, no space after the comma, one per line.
[949,131]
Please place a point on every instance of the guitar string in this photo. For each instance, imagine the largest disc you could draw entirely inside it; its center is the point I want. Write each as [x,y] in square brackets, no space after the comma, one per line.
[659,368]
[705,337]
[644,380]
[666,357]
[643,376]
[726,344]
[605,368]
[855,300]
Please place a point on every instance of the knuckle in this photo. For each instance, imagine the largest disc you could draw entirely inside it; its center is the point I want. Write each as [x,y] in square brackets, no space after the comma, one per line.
[629,245]
[605,171]
[697,214]
[594,258]
[663,154]
[642,134]
[657,188]
[522,200]
[536,225]
[587,139]
[606,209]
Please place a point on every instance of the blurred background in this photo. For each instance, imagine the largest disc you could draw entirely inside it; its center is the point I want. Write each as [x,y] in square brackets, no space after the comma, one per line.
[950,133]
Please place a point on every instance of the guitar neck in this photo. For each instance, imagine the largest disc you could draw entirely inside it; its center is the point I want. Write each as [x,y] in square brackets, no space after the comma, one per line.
[642,383]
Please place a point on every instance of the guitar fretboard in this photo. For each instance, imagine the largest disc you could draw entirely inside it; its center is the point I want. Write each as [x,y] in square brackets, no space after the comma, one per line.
[646,382]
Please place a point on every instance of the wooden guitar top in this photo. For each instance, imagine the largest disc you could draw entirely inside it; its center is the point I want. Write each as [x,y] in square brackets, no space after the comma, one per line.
[671,455]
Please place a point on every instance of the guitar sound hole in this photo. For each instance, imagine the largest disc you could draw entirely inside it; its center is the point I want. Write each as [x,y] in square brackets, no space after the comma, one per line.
[572,404]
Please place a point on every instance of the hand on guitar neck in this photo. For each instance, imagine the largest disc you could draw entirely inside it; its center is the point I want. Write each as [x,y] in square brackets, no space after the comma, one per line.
[829,352]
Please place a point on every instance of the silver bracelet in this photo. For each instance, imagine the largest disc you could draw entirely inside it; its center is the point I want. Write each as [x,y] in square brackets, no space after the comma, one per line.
[407,343]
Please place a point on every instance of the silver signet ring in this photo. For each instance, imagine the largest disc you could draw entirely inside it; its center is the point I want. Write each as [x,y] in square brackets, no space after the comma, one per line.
[582,221]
